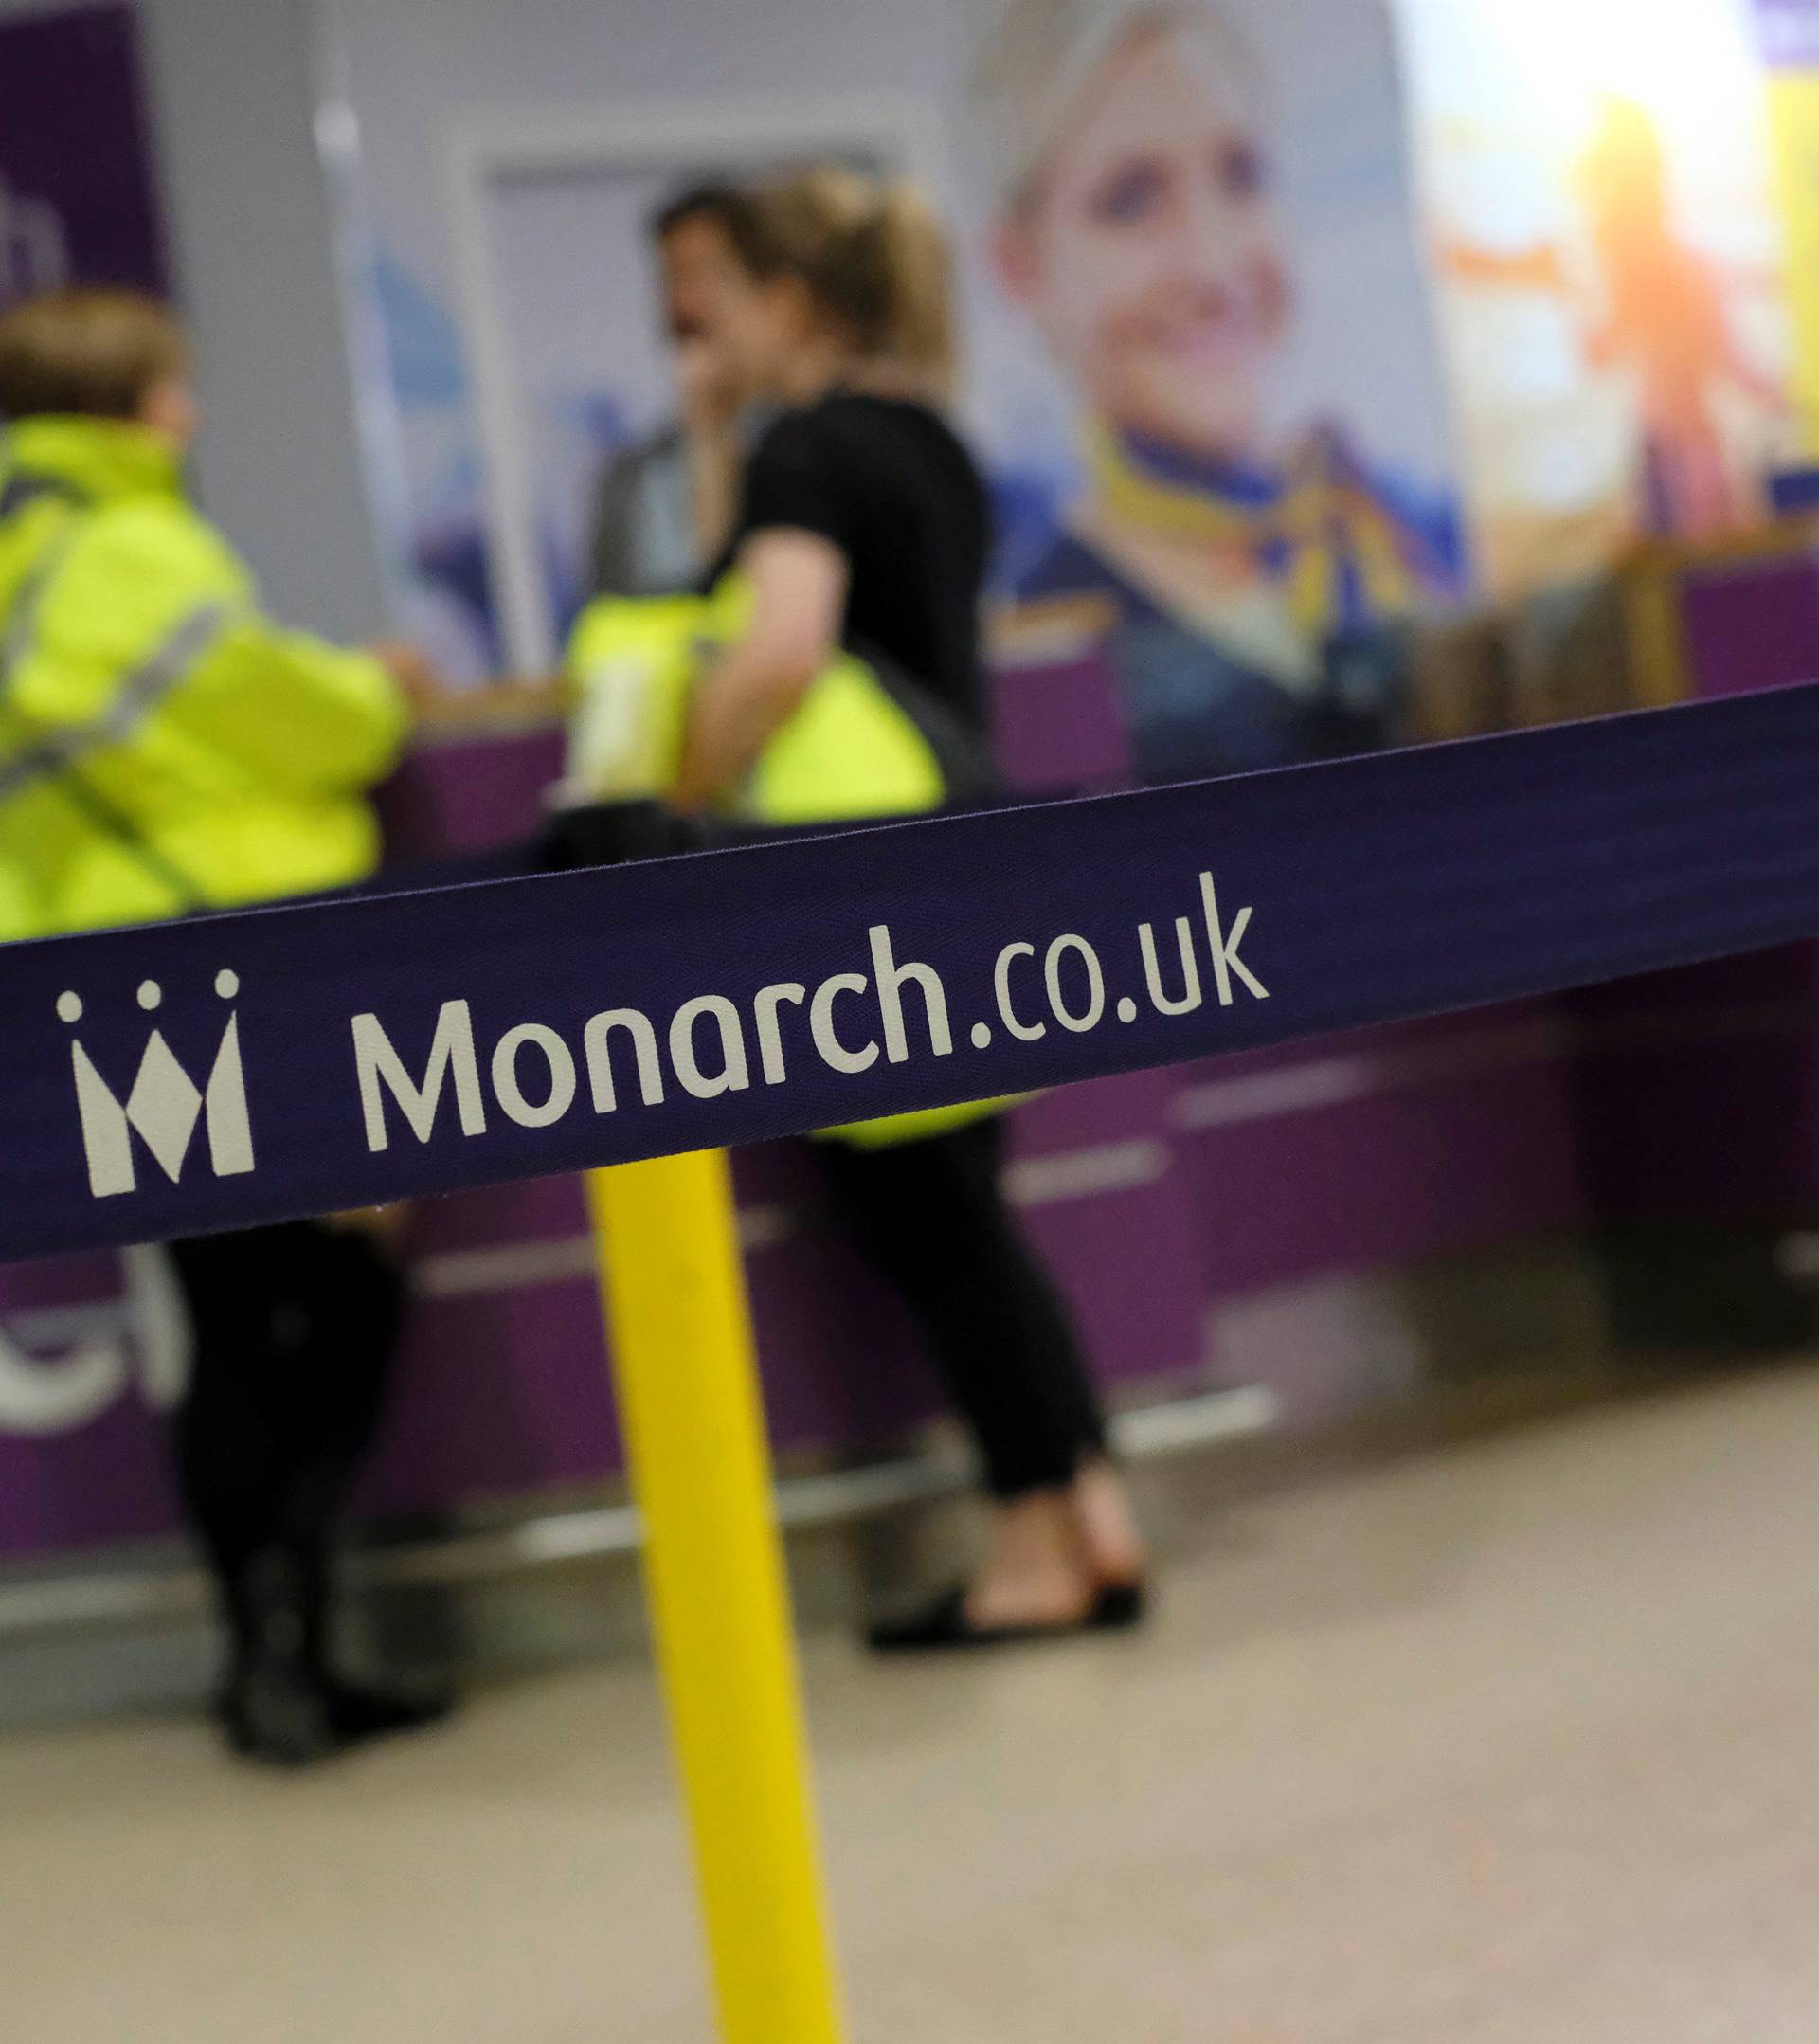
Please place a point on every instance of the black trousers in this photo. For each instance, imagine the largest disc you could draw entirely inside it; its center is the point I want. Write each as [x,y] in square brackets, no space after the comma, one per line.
[931,1218]
[294,1329]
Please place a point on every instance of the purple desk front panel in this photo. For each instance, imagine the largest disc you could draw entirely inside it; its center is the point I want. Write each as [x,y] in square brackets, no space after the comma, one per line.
[1698,1092]
[1751,624]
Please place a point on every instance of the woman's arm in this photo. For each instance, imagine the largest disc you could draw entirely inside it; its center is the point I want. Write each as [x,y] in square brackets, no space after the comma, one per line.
[798,593]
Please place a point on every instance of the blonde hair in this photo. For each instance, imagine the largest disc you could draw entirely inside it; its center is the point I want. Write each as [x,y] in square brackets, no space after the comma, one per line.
[89,349]
[873,257]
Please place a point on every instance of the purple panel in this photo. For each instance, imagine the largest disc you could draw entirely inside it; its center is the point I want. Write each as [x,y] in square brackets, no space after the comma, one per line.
[1753,625]
[1061,725]
[777,1173]
[105,1482]
[1697,1090]
[841,1367]
[1127,1262]
[1131,1105]
[1726,1118]
[469,794]
[529,1210]
[498,1393]
[75,155]
[1126,1256]
[1699,1130]
[1386,1178]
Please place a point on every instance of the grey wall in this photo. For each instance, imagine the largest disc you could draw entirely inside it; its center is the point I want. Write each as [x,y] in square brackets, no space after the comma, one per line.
[235,86]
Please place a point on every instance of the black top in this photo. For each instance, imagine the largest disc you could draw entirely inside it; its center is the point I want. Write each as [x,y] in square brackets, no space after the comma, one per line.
[890,484]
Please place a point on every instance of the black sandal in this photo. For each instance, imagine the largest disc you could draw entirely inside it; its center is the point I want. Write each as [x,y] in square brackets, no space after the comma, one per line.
[944,1627]
[1120,1607]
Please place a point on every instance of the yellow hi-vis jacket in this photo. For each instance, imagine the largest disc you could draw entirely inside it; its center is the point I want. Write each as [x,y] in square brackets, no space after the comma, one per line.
[850,751]
[163,746]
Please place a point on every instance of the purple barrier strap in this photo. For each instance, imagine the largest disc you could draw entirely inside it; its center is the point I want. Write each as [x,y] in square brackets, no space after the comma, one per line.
[244,1068]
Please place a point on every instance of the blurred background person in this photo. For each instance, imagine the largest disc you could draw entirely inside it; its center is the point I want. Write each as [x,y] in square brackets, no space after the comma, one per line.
[1661,313]
[1643,299]
[863,524]
[165,750]
[665,505]
[1249,586]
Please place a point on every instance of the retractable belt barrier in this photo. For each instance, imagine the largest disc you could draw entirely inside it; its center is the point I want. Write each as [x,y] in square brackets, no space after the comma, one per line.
[248,1067]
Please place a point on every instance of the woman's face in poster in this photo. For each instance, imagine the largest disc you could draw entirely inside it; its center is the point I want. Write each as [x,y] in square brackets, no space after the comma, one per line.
[1146,249]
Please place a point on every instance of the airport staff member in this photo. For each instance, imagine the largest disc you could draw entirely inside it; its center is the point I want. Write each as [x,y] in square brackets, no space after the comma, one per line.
[165,748]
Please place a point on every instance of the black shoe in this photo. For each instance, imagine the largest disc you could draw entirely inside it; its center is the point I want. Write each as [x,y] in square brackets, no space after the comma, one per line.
[289,1716]
[274,1711]
[356,1713]
[1120,1607]
[944,1627]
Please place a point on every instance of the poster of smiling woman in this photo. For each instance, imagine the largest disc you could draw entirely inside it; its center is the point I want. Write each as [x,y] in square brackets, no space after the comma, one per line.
[1199,217]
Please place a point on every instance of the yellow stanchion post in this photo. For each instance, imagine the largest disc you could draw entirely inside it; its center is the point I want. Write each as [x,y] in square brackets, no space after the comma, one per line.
[686,1372]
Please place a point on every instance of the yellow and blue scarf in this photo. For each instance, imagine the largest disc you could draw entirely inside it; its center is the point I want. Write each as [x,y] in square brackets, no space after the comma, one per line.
[1320,527]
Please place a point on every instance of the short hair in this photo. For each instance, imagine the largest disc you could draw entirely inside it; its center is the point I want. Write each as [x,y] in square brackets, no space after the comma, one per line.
[716,201]
[92,350]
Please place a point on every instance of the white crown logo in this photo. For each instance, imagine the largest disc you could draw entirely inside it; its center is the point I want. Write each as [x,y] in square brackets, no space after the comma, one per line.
[164,1105]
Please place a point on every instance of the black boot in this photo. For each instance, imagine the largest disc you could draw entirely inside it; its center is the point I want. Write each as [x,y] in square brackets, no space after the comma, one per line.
[275,1706]
[281,1704]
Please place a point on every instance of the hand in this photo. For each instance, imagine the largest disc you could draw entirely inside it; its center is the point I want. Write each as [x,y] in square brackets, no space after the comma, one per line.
[706,387]
[730,720]
[711,766]
[412,669]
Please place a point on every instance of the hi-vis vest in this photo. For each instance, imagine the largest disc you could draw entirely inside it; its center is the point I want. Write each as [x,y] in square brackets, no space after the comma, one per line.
[163,747]
[853,749]
[850,750]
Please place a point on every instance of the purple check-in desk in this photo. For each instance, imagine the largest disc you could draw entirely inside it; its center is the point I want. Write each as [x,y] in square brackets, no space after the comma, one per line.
[1206,1222]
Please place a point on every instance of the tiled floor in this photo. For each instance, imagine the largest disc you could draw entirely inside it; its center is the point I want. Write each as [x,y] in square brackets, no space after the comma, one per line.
[1516,1744]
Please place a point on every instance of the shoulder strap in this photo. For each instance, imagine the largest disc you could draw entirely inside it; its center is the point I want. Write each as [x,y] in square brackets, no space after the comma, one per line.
[970,776]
